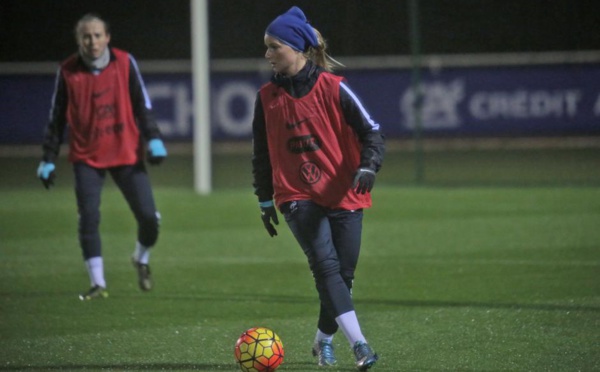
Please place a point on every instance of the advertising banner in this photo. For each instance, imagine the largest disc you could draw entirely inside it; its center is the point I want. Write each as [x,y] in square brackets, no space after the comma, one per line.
[556,100]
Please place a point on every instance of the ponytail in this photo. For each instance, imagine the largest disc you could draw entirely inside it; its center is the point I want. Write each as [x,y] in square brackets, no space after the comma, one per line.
[319,54]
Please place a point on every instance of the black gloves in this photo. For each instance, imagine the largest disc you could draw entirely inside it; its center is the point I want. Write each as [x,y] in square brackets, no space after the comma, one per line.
[364,179]
[45,172]
[363,182]
[268,214]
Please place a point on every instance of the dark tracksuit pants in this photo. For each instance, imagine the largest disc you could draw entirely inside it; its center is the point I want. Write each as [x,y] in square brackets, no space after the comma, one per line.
[135,186]
[330,240]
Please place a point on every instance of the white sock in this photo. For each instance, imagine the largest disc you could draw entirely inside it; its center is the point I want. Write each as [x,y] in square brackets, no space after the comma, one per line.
[320,336]
[348,323]
[141,253]
[95,268]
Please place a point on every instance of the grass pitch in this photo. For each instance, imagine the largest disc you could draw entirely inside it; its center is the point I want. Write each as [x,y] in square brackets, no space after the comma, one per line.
[481,278]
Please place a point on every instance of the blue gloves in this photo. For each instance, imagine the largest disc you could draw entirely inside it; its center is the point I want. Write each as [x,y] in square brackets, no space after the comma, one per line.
[268,213]
[45,172]
[156,151]
[364,179]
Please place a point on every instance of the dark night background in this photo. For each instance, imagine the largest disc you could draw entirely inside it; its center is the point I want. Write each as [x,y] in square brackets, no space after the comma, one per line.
[42,30]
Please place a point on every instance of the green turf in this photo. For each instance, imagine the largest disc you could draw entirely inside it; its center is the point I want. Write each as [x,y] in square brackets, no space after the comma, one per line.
[450,278]
[513,168]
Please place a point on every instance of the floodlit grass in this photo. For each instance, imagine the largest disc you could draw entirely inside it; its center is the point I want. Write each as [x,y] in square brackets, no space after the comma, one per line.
[450,279]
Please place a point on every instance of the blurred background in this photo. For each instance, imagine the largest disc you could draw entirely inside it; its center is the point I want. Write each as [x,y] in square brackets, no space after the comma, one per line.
[468,92]
[38,30]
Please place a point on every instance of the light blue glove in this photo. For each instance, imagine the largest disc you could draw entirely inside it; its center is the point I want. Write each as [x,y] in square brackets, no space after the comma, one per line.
[45,172]
[156,151]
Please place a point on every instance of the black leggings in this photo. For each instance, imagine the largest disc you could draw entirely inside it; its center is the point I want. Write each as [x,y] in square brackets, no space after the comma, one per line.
[330,240]
[134,184]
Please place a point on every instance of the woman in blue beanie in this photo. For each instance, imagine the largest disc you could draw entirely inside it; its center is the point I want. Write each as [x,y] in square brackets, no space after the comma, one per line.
[315,156]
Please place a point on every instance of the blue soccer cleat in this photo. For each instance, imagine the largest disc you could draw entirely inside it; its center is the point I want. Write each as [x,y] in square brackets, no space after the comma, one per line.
[323,350]
[365,356]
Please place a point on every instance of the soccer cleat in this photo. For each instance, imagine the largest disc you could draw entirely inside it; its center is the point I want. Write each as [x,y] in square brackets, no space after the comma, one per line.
[94,292]
[323,350]
[144,277]
[365,356]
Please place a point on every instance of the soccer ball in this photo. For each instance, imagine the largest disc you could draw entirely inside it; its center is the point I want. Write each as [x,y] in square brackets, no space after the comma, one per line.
[259,349]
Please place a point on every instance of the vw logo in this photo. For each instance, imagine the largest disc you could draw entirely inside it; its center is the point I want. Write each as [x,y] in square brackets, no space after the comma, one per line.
[310,172]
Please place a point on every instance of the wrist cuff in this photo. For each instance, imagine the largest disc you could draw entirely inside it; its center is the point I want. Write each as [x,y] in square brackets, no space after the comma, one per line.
[266,204]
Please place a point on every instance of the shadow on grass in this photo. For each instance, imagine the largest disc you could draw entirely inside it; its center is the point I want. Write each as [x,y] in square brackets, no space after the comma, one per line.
[389,302]
[150,367]
[402,303]
[483,305]
[124,367]
[288,299]
[428,303]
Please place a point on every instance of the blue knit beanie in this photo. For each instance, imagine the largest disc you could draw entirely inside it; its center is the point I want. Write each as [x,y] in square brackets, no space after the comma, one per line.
[293,29]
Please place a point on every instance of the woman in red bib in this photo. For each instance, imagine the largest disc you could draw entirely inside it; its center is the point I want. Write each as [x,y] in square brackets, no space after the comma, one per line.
[100,96]
[316,153]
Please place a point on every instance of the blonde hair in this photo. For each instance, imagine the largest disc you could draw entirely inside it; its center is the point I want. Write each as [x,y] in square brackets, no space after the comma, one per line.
[319,54]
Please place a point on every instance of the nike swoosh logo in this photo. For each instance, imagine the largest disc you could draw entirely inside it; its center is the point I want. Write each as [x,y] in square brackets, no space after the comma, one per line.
[295,124]
[100,93]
